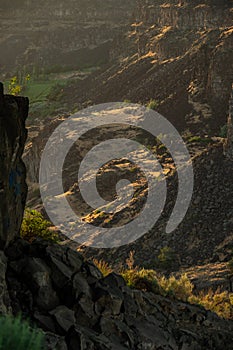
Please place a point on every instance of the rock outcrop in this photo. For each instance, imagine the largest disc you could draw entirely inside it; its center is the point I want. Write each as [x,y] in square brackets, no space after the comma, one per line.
[13,189]
[78,308]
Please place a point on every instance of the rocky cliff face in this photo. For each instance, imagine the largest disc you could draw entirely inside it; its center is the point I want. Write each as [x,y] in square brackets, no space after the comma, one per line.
[59,33]
[69,298]
[178,53]
[13,189]
[158,24]
[204,236]
[192,85]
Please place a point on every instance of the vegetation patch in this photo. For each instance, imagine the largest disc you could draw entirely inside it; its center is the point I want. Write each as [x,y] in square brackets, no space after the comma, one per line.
[34,226]
[223,131]
[153,104]
[17,334]
[103,266]
[199,139]
[176,288]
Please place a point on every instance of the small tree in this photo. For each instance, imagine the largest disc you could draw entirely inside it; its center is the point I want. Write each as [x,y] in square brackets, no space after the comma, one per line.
[153,104]
[14,87]
[34,225]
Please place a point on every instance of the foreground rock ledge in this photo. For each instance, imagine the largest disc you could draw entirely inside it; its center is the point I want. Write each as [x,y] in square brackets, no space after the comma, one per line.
[78,308]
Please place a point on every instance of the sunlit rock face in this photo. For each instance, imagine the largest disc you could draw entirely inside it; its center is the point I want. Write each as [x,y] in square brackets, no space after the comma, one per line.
[58,34]
[178,53]
[13,189]
[199,31]
[159,23]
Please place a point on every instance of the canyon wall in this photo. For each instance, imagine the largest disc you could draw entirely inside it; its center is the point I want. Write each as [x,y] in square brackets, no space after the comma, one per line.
[159,23]
[171,29]
[178,53]
[59,34]
[68,297]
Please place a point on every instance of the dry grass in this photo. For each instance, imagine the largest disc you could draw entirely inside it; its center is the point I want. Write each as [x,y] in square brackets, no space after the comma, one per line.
[103,266]
[178,288]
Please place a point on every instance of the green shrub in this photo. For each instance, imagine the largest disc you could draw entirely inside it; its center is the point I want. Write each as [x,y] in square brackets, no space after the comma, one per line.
[16,334]
[166,257]
[179,288]
[14,87]
[34,225]
[223,131]
[17,84]
[199,139]
[219,302]
[142,279]
[153,104]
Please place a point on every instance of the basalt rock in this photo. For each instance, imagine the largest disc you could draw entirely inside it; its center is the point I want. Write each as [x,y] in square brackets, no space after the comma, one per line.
[102,312]
[4,296]
[13,189]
